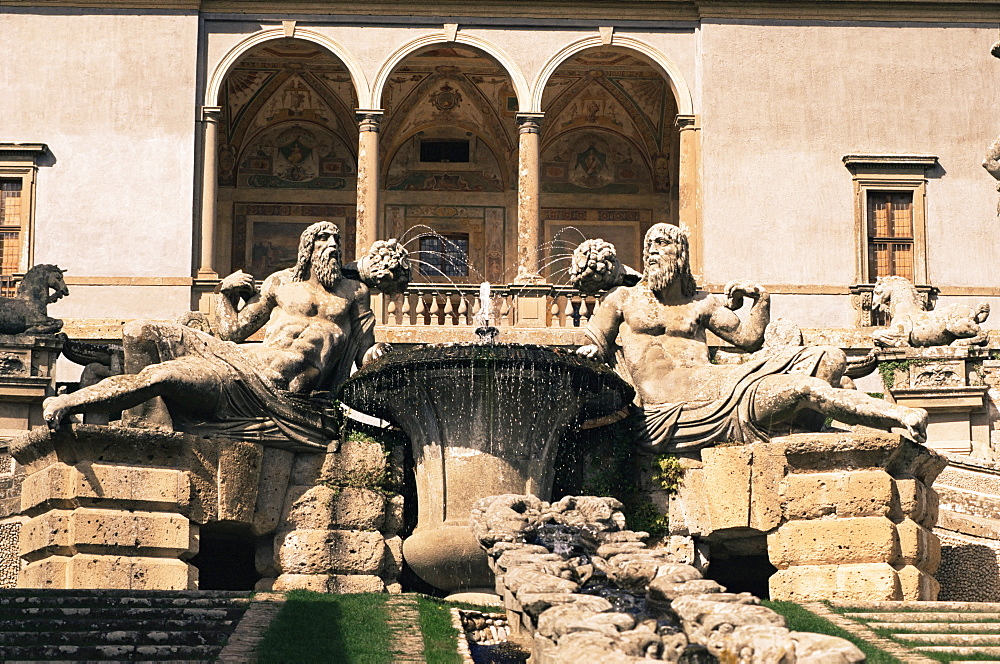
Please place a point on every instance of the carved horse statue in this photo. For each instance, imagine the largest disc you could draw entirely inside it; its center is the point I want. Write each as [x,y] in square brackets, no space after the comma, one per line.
[26,312]
[911,325]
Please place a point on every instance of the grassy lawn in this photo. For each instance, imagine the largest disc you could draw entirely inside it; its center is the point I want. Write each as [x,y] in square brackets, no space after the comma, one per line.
[440,637]
[352,629]
[317,627]
[802,620]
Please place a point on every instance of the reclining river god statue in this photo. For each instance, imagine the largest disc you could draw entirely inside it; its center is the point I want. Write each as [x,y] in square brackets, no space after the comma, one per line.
[654,334]
[317,323]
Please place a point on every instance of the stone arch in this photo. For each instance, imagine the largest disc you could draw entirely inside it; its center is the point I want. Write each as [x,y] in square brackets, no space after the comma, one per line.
[679,86]
[520,83]
[218,76]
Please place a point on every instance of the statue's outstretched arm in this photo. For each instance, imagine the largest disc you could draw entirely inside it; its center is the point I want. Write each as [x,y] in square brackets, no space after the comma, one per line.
[749,334]
[602,329]
[238,324]
[363,326]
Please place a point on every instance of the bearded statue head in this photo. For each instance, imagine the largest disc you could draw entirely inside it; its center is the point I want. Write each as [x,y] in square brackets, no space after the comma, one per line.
[319,254]
[666,257]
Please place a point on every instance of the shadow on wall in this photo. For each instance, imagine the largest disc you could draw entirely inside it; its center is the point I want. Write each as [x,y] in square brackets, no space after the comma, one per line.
[969,573]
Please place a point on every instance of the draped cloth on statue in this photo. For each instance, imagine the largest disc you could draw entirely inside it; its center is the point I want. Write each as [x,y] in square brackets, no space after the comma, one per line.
[250,407]
[690,426]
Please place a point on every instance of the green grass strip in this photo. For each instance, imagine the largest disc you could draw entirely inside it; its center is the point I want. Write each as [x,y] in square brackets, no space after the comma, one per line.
[440,636]
[319,627]
[801,619]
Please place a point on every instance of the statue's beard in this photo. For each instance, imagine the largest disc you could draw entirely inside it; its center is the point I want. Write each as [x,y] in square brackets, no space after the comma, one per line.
[659,276]
[326,268]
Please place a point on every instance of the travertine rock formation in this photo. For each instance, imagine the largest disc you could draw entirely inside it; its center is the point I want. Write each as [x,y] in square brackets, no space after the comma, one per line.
[579,587]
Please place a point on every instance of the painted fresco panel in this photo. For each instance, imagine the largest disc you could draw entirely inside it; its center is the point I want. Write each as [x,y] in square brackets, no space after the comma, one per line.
[266,235]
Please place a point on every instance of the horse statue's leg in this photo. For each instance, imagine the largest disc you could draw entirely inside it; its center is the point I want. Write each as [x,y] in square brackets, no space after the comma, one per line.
[45,325]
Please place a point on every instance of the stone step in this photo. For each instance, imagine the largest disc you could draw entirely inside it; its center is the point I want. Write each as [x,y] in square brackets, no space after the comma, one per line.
[938,627]
[153,623]
[950,639]
[12,602]
[891,606]
[110,612]
[920,616]
[129,653]
[963,651]
[115,637]
[115,592]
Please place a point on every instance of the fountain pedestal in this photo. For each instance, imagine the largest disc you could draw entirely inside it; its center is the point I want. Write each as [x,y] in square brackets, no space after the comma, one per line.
[482,421]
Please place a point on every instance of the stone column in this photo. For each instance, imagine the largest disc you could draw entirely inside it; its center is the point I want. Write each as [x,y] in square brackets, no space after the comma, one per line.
[368,180]
[210,116]
[689,186]
[528,210]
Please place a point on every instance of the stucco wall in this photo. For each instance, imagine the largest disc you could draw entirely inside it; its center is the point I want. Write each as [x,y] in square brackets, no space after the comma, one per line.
[782,103]
[113,95]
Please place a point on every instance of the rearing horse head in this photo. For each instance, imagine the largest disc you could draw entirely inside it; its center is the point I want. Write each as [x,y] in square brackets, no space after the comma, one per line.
[48,276]
[888,288]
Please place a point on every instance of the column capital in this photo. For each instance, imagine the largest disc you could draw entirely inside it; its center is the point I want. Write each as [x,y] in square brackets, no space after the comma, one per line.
[529,123]
[368,119]
[683,122]
[210,113]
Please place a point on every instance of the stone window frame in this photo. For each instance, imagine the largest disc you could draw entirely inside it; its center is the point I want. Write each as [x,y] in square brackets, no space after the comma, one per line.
[889,173]
[20,161]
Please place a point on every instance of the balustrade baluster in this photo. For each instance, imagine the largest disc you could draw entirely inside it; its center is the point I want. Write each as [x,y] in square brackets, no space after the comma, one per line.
[449,310]
[554,310]
[421,310]
[463,310]
[584,311]
[505,310]
[435,310]
[405,310]
[568,319]
[390,310]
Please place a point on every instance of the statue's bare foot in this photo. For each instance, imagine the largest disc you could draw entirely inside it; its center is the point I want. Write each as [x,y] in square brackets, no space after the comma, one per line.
[55,411]
[914,423]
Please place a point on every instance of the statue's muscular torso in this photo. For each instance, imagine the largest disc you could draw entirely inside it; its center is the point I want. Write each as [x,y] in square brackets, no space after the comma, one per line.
[664,344]
[307,328]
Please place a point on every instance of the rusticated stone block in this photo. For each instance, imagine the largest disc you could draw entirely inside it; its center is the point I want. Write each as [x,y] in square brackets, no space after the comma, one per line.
[138,487]
[727,472]
[919,546]
[834,541]
[275,469]
[833,452]
[352,460]
[347,508]
[68,531]
[844,494]
[330,552]
[875,581]
[342,584]
[393,515]
[917,501]
[393,566]
[918,585]
[355,463]
[99,571]
[239,476]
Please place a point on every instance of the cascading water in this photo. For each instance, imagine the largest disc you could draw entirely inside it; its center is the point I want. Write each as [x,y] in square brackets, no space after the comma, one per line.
[484,419]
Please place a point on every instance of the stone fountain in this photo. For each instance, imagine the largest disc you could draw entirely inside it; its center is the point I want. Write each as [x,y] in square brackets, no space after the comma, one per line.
[483,420]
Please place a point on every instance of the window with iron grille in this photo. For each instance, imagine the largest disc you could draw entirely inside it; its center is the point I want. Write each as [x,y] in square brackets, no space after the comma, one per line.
[890,234]
[444,255]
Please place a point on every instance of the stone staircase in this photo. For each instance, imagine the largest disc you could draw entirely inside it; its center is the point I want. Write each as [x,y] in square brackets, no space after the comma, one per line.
[117,625]
[940,631]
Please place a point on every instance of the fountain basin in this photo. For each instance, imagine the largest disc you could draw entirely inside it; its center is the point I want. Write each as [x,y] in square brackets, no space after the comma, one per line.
[482,420]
